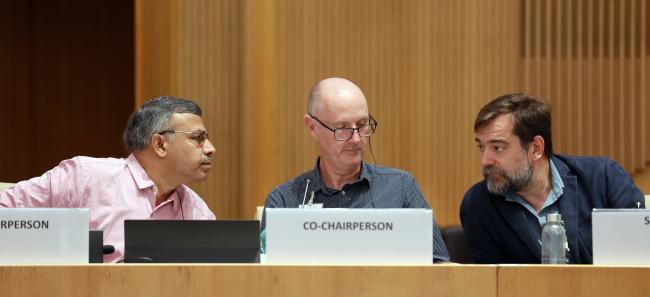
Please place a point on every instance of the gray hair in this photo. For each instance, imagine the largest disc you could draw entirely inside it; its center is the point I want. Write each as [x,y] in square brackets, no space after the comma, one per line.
[153,117]
[313,99]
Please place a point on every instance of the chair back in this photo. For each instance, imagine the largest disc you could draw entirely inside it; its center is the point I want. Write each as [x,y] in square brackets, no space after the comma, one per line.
[454,239]
[4,186]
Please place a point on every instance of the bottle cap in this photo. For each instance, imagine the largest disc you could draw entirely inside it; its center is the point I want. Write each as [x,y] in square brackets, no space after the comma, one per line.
[553,217]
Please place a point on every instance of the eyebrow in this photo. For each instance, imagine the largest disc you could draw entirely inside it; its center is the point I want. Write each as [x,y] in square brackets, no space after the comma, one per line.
[493,141]
[360,121]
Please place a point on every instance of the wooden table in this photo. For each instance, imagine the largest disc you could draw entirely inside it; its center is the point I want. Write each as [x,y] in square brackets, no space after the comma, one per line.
[247,280]
[572,280]
[315,280]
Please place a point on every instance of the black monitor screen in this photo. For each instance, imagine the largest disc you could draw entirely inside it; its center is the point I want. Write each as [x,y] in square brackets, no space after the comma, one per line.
[171,241]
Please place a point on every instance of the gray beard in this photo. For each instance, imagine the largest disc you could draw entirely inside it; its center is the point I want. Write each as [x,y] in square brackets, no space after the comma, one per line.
[515,182]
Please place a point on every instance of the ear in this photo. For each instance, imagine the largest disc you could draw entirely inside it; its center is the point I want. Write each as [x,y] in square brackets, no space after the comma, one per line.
[536,148]
[159,145]
[311,126]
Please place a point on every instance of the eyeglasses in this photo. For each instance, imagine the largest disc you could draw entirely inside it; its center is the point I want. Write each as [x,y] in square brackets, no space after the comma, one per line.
[343,134]
[197,136]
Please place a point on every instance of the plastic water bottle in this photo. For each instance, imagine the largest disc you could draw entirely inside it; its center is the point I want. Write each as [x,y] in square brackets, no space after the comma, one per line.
[554,241]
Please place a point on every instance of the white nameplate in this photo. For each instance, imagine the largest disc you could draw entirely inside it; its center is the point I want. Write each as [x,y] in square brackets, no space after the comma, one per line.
[349,236]
[621,236]
[43,236]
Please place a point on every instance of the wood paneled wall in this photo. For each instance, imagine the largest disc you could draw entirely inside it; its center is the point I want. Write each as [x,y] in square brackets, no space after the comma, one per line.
[193,49]
[66,76]
[14,81]
[426,68]
[589,58]
[642,180]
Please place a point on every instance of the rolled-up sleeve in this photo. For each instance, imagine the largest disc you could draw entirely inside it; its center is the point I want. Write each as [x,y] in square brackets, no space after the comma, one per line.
[60,187]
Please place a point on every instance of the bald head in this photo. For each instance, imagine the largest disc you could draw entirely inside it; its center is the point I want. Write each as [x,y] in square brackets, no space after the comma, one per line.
[335,92]
[337,104]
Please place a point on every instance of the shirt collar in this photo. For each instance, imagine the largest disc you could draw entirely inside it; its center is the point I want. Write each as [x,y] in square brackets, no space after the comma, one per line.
[140,176]
[317,180]
[365,172]
[556,185]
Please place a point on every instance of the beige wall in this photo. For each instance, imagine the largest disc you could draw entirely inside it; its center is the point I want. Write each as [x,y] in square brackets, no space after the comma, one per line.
[426,68]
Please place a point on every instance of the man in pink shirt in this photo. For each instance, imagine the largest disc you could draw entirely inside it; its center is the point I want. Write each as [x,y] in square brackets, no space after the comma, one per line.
[169,148]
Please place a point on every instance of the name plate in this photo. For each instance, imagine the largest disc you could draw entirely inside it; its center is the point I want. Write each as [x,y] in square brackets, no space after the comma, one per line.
[43,236]
[349,236]
[621,236]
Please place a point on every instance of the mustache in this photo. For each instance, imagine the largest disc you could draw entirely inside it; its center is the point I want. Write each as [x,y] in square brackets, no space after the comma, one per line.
[490,170]
[353,148]
[206,160]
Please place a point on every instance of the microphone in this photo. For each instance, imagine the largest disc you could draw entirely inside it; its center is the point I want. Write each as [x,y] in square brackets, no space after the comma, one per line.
[311,199]
[108,249]
[639,202]
[304,196]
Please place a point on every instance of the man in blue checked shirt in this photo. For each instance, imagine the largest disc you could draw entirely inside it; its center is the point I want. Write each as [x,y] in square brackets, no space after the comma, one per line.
[338,119]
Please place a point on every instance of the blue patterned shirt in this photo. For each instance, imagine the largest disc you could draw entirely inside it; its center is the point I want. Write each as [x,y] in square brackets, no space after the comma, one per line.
[377,187]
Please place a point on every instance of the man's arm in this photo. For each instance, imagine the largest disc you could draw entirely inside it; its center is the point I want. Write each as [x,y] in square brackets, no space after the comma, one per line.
[273,200]
[621,190]
[415,199]
[480,244]
[55,188]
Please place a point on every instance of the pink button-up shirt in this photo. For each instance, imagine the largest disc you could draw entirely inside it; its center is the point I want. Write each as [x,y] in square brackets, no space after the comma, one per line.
[112,189]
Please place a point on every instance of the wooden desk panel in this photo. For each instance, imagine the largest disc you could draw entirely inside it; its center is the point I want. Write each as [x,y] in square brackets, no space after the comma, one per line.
[247,280]
[572,280]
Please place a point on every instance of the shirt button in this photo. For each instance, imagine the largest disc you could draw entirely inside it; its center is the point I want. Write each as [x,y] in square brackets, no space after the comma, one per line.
[343,193]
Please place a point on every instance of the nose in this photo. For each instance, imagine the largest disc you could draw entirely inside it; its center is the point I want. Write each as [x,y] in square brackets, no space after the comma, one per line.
[486,159]
[208,148]
[356,136]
